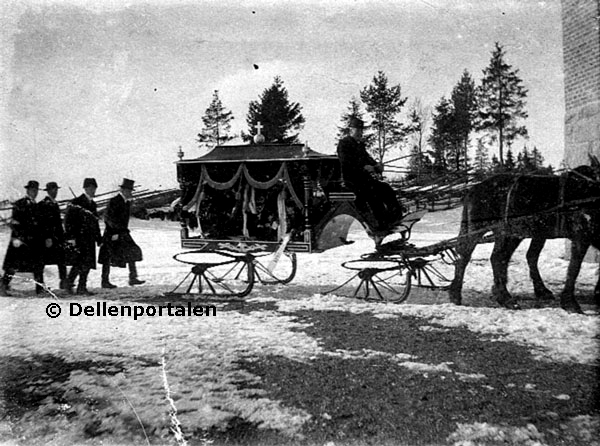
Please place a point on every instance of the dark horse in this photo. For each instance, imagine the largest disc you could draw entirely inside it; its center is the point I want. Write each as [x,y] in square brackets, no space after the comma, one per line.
[540,207]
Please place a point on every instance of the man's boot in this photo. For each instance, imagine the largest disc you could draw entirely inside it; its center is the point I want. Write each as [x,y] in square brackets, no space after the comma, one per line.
[62,274]
[133,279]
[71,278]
[3,288]
[38,278]
[82,286]
[105,275]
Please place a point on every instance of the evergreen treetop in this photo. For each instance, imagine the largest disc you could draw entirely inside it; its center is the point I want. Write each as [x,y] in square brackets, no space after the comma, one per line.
[501,97]
[280,119]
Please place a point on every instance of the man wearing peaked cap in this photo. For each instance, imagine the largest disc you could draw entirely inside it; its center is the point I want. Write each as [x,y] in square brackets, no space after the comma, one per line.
[24,251]
[82,232]
[118,248]
[53,233]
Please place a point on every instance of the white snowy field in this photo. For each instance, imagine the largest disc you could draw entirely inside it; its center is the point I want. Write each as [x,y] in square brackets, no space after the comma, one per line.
[201,354]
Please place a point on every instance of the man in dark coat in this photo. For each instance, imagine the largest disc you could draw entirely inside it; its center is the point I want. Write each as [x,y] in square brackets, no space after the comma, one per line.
[118,248]
[53,233]
[359,172]
[25,247]
[82,232]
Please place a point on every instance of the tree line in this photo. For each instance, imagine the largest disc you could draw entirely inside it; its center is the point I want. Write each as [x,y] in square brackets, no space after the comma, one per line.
[479,118]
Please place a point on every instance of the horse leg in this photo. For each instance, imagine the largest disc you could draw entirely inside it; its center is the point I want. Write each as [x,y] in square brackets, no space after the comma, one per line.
[567,297]
[504,247]
[533,256]
[467,240]
[464,250]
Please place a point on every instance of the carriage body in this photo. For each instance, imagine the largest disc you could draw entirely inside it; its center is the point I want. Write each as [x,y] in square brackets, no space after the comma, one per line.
[246,198]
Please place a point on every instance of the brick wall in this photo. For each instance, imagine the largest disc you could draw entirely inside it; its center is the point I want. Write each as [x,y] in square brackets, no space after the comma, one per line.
[581,53]
[581,50]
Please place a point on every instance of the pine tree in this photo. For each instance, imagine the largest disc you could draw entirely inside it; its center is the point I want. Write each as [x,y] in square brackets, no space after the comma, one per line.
[525,165]
[443,135]
[509,163]
[464,105]
[354,111]
[481,160]
[217,124]
[418,121]
[501,98]
[537,159]
[279,117]
[418,163]
[384,103]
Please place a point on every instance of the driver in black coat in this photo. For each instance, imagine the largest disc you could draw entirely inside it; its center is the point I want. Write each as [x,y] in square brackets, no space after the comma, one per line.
[359,172]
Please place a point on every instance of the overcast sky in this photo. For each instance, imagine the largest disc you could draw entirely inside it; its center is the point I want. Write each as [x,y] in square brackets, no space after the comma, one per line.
[111,89]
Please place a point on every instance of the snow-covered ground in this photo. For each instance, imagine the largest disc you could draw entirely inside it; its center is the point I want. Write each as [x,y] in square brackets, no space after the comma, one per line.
[551,334]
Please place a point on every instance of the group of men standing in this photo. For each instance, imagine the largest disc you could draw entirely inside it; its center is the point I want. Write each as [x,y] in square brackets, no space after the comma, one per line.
[38,237]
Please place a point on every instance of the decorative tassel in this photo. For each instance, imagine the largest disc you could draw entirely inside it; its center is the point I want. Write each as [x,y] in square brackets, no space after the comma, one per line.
[282,214]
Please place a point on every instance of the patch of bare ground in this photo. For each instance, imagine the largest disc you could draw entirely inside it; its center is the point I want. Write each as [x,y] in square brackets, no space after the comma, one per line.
[386,399]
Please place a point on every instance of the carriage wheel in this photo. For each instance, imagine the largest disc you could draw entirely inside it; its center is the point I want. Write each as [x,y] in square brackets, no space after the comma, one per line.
[432,274]
[218,274]
[270,270]
[382,280]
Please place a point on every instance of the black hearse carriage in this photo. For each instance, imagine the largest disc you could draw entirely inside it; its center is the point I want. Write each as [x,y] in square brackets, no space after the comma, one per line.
[247,209]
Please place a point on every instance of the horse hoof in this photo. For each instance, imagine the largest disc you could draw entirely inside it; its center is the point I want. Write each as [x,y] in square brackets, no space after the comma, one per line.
[572,308]
[510,304]
[544,295]
[456,300]
[454,297]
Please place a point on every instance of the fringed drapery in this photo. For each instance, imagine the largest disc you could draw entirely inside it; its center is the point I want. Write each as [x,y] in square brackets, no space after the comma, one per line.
[246,191]
[281,175]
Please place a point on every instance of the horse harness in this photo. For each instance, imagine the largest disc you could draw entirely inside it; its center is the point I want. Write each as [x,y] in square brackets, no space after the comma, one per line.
[562,210]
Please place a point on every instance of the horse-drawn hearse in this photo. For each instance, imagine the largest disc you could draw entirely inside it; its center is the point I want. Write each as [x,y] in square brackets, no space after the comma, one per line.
[248,209]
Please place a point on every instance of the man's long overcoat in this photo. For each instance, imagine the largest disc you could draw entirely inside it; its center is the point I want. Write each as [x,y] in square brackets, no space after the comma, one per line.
[25,228]
[51,228]
[81,225]
[123,250]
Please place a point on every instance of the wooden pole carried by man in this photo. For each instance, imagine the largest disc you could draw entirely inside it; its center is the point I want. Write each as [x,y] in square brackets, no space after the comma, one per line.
[83,233]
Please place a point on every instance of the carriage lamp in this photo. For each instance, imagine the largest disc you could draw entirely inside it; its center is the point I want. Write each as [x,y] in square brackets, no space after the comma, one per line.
[180,153]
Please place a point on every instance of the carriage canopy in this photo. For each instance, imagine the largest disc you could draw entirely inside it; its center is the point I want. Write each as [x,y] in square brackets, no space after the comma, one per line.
[261,192]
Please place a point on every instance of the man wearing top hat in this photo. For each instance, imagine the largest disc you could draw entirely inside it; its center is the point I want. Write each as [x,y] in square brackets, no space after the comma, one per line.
[118,248]
[359,172]
[24,251]
[82,232]
[53,233]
